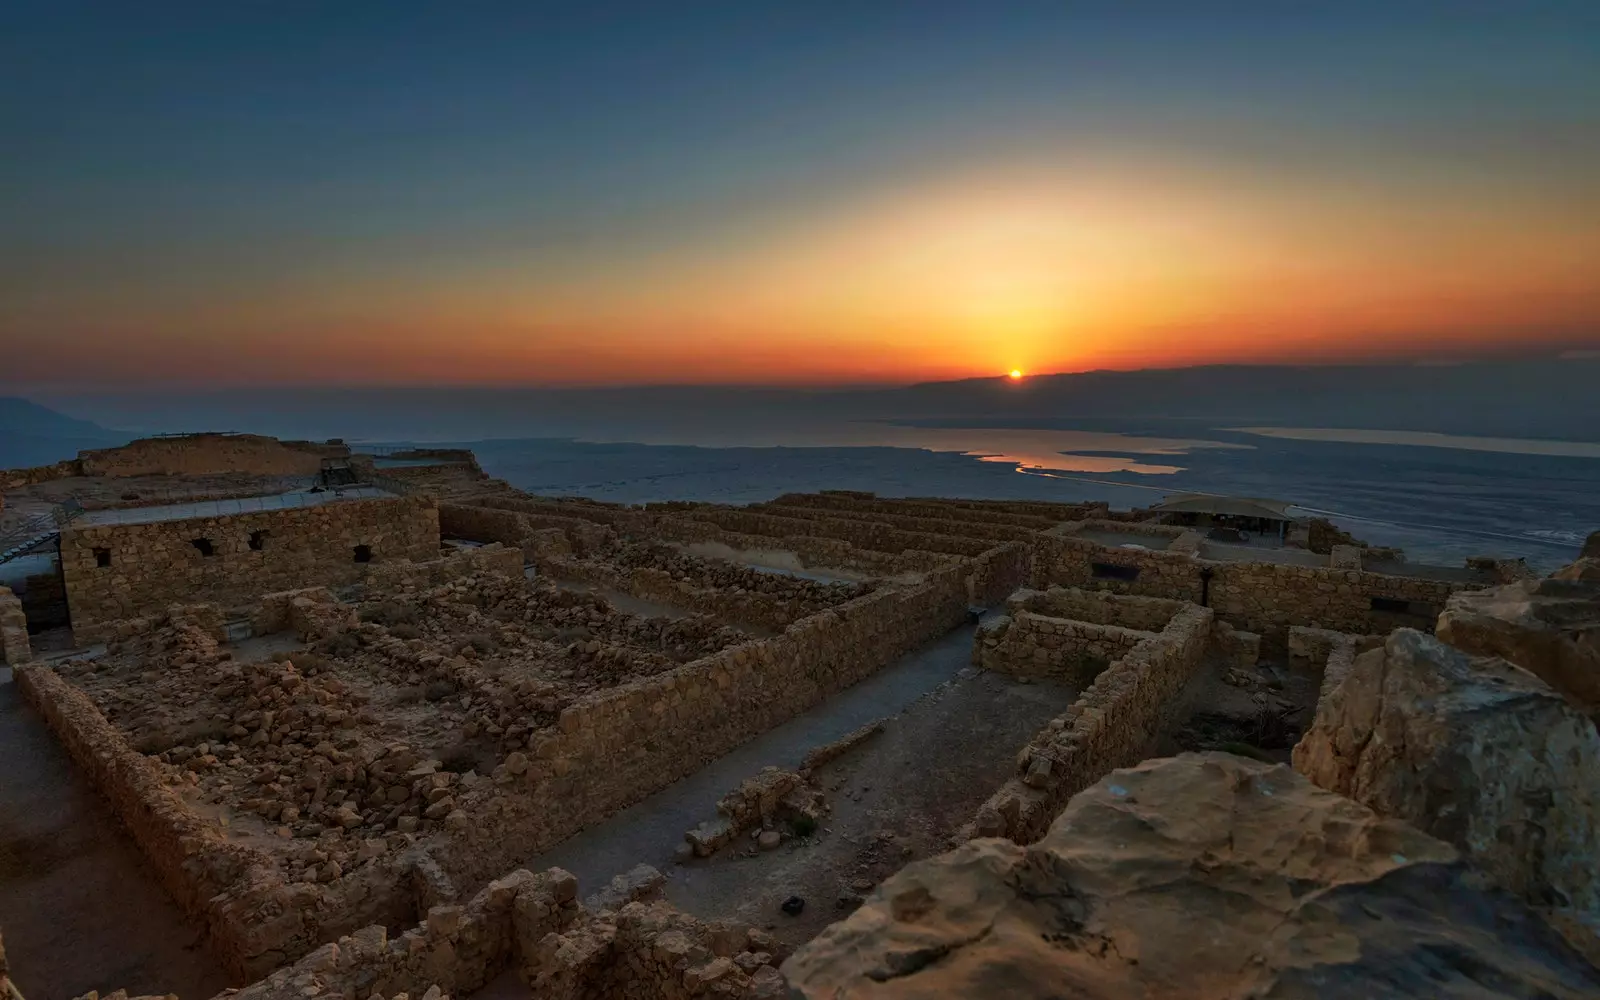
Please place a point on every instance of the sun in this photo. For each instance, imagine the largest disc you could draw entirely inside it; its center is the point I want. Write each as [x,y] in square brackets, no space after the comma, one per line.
[1016,373]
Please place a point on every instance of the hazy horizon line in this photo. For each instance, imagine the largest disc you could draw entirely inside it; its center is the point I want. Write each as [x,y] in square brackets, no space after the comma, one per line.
[23,390]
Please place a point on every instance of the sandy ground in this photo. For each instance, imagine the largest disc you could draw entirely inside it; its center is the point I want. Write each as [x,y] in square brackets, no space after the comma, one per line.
[897,798]
[1263,721]
[80,907]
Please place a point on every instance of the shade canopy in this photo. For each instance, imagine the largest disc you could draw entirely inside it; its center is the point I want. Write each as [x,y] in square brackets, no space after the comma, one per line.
[1205,503]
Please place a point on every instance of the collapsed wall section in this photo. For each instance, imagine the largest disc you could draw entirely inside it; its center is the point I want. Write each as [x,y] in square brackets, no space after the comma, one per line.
[118,571]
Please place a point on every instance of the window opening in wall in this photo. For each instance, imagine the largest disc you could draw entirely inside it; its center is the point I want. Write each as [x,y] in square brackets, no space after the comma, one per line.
[1391,604]
[258,540]
[363,553]
[1112,571]
[102,557]
[203,545]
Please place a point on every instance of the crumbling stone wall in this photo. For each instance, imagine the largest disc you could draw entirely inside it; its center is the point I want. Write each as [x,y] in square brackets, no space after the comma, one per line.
[862,534]
[1328,652]
[616,516]
[204,454]
[478,523]
[1025,644]
[812,550]
[1262,597]
[660,573]
[1149,614]
[965,511]
[410,577]
[15,649]
[534,925]
[219,883]
[155,564]
[12,479]
[903,522]
[614,748]
[1112,725]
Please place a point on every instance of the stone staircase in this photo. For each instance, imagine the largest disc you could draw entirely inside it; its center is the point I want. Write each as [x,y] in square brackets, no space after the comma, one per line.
[25,537]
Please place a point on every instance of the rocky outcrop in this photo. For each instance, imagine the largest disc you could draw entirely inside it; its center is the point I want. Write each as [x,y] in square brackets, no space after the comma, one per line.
[1206,876]
[1473,751]
[8,989]
[1105,904]
[1550,628]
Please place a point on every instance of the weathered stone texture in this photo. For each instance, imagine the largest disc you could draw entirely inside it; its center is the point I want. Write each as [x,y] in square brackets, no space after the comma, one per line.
[401,577]
[1550,628]
[613,748]
[1028,645]
[729,591]
[1262,597]
[1471,750]
[155,564]
[203,454]
[1112,725]
[15,648]
[1204,875]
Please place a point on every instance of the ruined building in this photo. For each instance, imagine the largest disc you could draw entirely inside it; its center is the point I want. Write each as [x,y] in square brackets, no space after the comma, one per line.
[344,704]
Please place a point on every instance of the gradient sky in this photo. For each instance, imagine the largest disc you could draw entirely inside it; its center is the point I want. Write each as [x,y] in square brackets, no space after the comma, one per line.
[776,192]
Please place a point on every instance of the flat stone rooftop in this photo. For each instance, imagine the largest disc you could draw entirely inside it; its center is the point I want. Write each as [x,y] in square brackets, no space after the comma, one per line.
[227,508]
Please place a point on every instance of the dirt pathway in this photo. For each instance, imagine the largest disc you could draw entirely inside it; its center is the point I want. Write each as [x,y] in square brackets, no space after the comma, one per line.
[80,907]
[949,751]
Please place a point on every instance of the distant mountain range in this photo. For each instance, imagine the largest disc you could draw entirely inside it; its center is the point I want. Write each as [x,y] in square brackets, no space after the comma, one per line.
[31,434]
[1546,398]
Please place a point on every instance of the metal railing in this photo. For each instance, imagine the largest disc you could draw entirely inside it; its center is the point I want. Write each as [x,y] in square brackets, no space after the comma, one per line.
[21,538]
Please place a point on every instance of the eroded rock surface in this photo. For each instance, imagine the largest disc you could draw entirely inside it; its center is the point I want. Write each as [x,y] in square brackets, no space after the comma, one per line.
[1549,627]
[1474,751]
[1199,876]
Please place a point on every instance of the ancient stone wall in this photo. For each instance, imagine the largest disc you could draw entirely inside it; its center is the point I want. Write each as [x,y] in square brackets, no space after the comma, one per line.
[480,523]
[1262,597]
[615,747]
[205,454]
[647,583]
[862,534]
[15,648]
[127,570]
[446,477]
[903,522]
[812,550]
[945,510]
[1150,614]
[1025,644]
[409,577]
[1112,725]
[214,881]
[533,924]
[11,479]
[613,515]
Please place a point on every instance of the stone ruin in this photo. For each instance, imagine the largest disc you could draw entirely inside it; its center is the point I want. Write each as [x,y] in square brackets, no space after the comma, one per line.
[339,781]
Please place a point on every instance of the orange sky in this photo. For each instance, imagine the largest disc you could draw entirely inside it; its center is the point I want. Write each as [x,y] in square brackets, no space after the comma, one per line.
[958,273]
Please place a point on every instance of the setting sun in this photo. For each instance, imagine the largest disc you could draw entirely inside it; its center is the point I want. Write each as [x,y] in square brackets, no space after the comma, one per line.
[1016,373]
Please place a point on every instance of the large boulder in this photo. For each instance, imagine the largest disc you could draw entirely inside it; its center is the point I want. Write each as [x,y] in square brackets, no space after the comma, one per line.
[1204,876]
[1474,751]
[1550,628]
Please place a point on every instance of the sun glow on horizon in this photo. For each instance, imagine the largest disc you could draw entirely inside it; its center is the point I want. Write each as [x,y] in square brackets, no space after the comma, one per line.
[1016,373]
